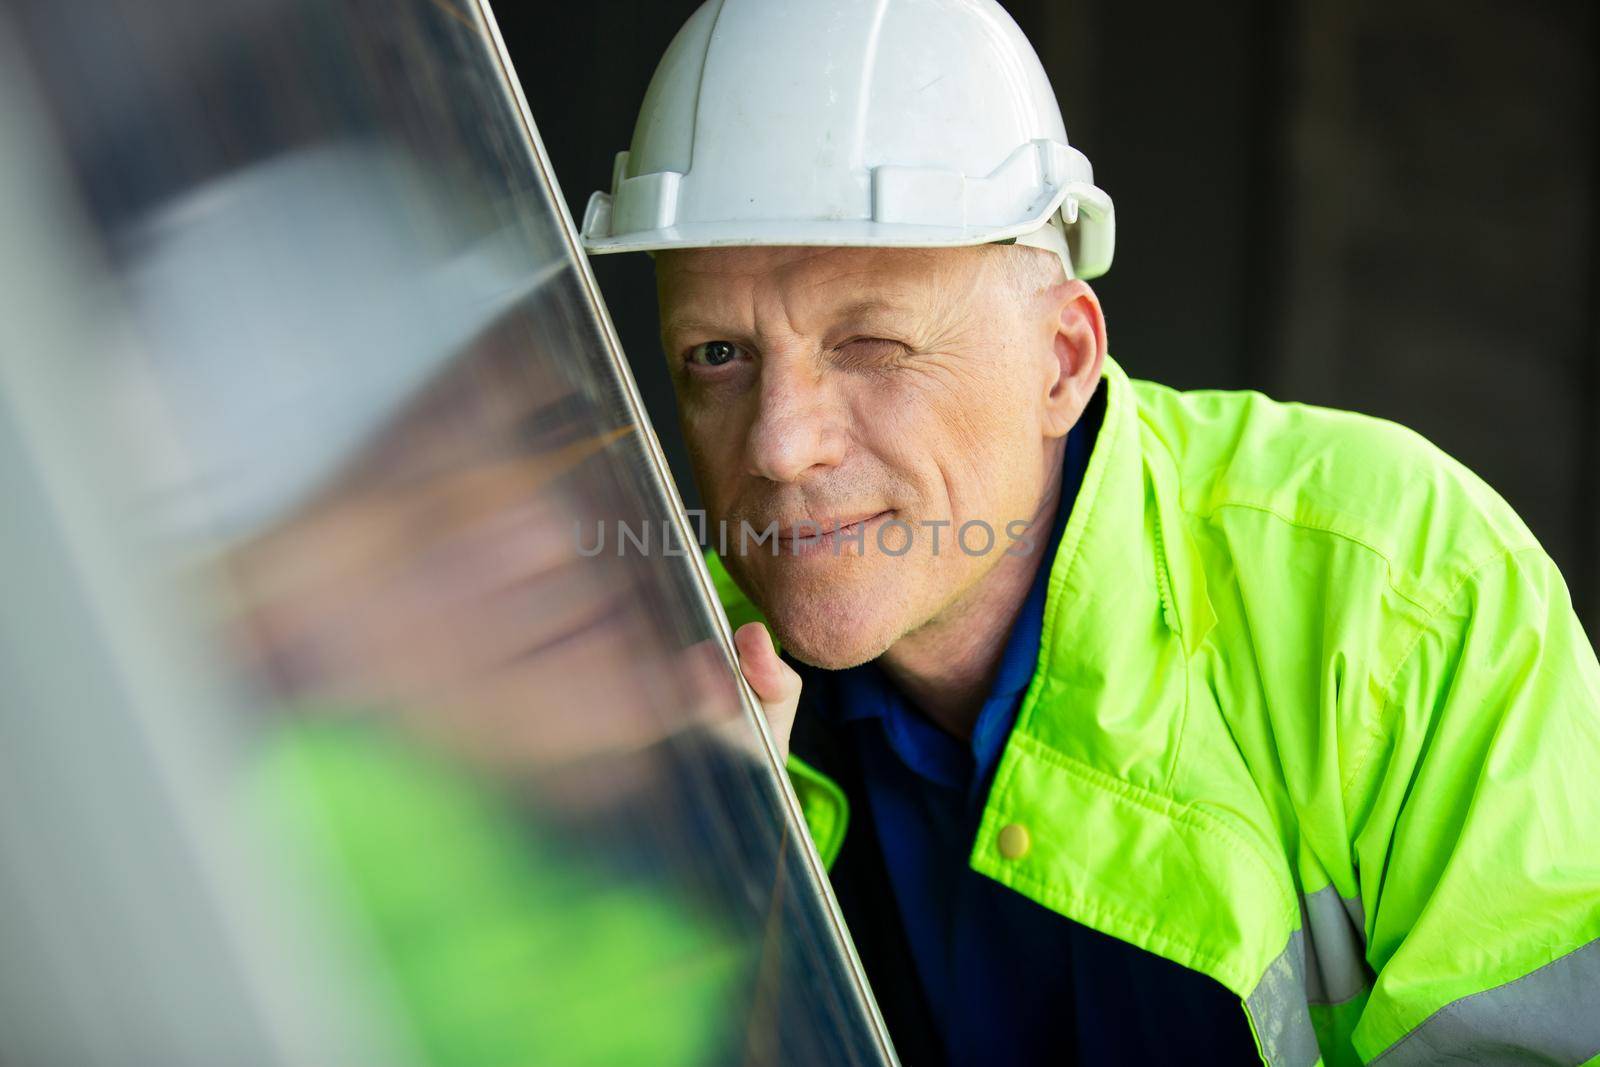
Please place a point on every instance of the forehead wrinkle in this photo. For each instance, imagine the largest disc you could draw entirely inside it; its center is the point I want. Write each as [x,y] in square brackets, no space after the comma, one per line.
[879,277]
[820,289]
[868,294]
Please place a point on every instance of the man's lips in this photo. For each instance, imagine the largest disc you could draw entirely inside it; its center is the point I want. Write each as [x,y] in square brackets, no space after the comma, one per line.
[810,536]
[808,528]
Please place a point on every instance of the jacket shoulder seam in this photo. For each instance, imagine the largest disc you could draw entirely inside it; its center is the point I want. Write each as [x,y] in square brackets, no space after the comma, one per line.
[1413,596]
[1380,728]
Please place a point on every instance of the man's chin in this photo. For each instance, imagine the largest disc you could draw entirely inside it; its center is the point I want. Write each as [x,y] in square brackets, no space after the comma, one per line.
[831,635]
[829,657]
[836,616]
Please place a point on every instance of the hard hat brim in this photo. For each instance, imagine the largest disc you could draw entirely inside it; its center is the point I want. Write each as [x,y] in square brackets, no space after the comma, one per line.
[842,233]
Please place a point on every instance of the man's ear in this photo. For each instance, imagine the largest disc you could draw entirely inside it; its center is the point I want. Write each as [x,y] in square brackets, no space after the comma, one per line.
[1079,347]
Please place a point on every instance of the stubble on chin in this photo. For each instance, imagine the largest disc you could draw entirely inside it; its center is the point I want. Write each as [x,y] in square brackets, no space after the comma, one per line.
[832,625]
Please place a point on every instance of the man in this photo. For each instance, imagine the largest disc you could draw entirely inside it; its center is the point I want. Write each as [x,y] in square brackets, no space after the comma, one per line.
[1122,706]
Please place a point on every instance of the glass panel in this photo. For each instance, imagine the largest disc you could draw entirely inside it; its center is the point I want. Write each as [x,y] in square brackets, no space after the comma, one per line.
[361,703]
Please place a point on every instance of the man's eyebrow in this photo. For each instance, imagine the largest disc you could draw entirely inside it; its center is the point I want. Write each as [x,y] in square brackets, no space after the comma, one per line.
[677,325]
[681,324]
[863,309]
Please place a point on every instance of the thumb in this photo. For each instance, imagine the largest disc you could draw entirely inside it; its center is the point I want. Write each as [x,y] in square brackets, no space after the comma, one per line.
[776,684]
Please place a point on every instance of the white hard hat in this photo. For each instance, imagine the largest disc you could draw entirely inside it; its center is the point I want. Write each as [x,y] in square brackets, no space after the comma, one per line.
[898,123]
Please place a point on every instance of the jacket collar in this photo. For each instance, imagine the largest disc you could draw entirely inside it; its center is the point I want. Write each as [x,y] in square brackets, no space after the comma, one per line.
[1125,581]
[1115,832]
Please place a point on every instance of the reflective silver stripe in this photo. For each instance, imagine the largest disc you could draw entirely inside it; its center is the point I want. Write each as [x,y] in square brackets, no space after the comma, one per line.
[1549,1016]
[1336,947]
[1278,1010]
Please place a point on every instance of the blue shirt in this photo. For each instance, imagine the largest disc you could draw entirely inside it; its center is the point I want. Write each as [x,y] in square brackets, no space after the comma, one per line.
[1005,980]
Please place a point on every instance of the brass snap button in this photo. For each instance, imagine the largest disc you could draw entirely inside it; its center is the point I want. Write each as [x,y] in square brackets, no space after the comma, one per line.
[1014,841]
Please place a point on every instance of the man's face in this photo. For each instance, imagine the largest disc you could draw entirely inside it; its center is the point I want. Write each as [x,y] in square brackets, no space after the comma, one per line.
[896,395]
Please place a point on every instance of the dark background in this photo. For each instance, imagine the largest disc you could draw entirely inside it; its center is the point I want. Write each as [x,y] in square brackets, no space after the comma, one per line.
[1382,206]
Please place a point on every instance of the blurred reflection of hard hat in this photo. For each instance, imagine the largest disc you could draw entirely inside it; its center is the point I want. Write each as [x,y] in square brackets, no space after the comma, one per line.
[290,310]
[913,123]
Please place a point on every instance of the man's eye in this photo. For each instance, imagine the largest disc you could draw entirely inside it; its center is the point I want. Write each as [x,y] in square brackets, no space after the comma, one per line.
[870,351]
[713,353]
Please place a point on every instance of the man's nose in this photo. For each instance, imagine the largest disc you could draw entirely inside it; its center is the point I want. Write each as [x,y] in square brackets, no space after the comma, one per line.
[798,428]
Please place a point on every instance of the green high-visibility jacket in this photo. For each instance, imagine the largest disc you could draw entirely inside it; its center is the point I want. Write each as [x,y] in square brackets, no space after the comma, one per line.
[1313,716]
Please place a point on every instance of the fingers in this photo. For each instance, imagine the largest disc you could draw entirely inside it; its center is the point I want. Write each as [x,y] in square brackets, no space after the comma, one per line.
[772,679]
[776,684]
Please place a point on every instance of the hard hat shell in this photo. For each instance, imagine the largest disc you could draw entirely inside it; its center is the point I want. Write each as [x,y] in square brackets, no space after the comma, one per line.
[912,123]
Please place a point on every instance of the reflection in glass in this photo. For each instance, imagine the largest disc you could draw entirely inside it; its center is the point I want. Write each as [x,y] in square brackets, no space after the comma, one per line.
[360,751]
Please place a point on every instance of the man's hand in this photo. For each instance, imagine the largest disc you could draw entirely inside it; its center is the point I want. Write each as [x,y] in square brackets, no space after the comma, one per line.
[775,682]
